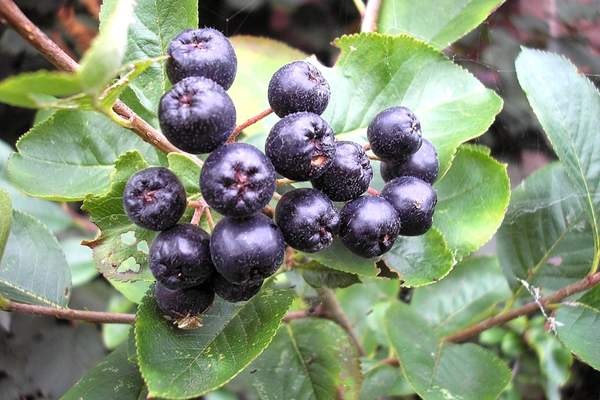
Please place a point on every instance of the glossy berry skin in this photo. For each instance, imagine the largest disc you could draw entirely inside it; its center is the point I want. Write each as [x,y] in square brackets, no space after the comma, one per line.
[154,198]
[180,257]
[301,146]
[237,180]
[202,52]
[246,250]
[348,176]
[369,226]
[308,219]
[298,86]
[234,293]
[180,303]
[414,200]
[423,164]
[196,115]
[394,134]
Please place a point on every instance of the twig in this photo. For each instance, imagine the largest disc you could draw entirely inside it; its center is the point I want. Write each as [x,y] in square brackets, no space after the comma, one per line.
[209,218]
[284,181]
[369,23]
[373,191]
[374,157]
[360,7]
[198,212]
[249,122]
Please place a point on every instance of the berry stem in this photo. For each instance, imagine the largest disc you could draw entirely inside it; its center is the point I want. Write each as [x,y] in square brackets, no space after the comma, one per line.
[197,215]
[284,181]
[249,122]
[373,191]
[369,23]
[209,218]
[367,146]
[360,7]
[373,157]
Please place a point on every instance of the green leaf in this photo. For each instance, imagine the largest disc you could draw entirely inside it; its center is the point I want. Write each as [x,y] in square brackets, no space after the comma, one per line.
[469,294]
[438,22]
[440,370]
[85,146]
[545,238]
[103,60]
[567,104]
[5,219]
[114,335]
[578,327]
[376,71]
[472,200]
[80,260]
[420,260]
[115,378]
[187,171]
[33,268]
[384,381]
[38,89]
[308,359]
[183,364]
[317,275]
[337,256]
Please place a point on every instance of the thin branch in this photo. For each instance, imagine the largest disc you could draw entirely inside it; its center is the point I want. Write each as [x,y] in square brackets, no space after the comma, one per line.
[374,157]
[360,7]
[284,181]
[369,23]
[249,122]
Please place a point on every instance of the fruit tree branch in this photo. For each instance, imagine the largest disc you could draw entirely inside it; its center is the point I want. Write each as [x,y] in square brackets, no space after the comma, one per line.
[12,15]
[369,22]
[249,122]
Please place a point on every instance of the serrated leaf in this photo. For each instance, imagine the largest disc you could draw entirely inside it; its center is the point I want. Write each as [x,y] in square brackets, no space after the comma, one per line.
[567,104]
[472,200]
[420,260]
[438,370]
[33,268]
[545,238]
[38,89]
[115,378]
[80,260]
[438,22]
[578,327]
[85,146]
[376,71]
[469,294]
[308,359]
[5,219]
[317,275]
[184,364]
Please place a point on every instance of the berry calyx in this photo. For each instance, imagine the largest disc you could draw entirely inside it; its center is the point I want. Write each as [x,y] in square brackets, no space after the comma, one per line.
[414,200]
[178,304]
[202,52]
[394,134]
[180,257]
[298,86]
[308,220]
[196,115]
[369,226]
[234,293]
[348,176]
[301,146]
[423,164]
[154,198]
[237,180]
[246,250]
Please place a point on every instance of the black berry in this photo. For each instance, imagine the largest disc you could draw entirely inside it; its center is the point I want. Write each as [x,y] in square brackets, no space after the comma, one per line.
[246,250]
[181,303]
[394,134]
[348,176]
[196,115]
[180,257]
[233,293]
[423,164]
[237,180]
[154,198]
[202,52]
[414,200]
[308,220]
[301,146]
[298,86]
[369,226]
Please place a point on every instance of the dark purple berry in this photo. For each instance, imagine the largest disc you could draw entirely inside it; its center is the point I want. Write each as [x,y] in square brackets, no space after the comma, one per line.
[246,250]
[298,86]
[308,219]
[180,257]
[348,176]
[301,146]
[414,200]
[202,52]
[181,303]
[369,226]
[233,293]
[423,164]
[196,115]
[154,198]
[394,134]
[237,180]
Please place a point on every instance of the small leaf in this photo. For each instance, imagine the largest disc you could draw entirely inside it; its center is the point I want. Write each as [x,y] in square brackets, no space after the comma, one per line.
[308,359]
[318,276]
[5,219]
[80,260]
[38,89]
[33,268]
[183,364]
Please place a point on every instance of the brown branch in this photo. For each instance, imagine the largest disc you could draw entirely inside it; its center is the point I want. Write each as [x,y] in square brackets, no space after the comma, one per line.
[249,122]
[360,7]
[369,23]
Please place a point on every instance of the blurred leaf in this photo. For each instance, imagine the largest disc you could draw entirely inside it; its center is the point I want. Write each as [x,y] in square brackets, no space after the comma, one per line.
[80,260]
[555,359]
[383,381]
[115,334]
[308,359]
[318,275]
[38,89]
[5,219]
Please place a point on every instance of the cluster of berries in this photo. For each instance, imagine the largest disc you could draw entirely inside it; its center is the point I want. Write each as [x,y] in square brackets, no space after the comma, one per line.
[238,181]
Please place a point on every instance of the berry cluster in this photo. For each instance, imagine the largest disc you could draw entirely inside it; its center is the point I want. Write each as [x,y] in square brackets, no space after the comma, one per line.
[238,180]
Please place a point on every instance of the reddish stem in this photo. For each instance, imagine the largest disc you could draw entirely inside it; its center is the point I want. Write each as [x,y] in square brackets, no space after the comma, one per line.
[373,191]
[249,122]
